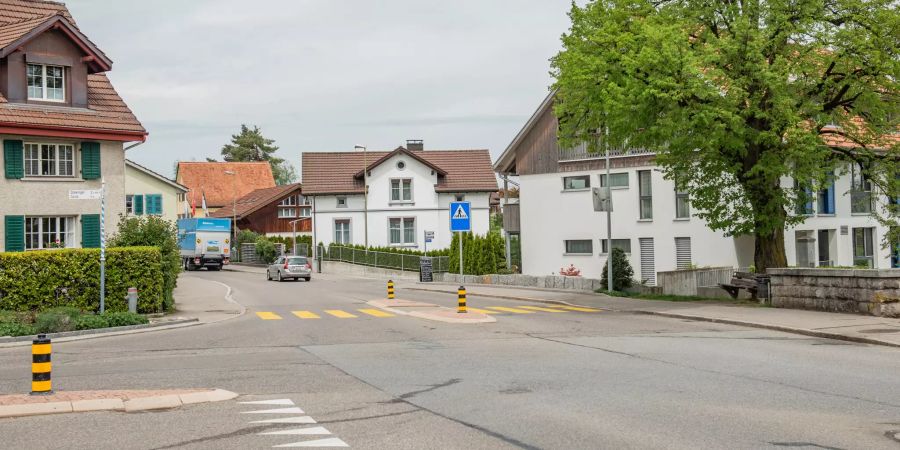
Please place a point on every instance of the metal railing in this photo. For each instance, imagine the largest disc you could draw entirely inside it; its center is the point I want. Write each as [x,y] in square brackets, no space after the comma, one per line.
[582,152]
[397,261]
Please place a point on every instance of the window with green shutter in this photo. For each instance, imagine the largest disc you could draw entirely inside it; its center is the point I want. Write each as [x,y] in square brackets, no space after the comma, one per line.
[14,233]
[90,160]
[138,203]
[90,231]
[13,159]
[154,204]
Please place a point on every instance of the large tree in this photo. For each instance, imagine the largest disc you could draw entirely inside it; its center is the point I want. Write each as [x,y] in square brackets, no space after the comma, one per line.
[251,145]
[739,98]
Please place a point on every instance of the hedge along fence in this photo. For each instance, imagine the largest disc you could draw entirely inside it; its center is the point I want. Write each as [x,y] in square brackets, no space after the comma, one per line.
[36,281]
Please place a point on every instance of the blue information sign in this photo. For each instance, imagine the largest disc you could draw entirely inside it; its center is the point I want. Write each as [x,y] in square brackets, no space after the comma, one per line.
[460,216]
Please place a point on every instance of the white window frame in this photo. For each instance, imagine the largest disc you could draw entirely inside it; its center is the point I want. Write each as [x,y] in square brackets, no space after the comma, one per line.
[349,232]
[44,89]
[566,247]
[642,196]
[286,213]
[43,224]
[129,204]
[289,201]
[868,244]
[34,158]
[403,228]
[613,176]
[604,243]
[587,183]
[682,197]
[403,185]
[860,192]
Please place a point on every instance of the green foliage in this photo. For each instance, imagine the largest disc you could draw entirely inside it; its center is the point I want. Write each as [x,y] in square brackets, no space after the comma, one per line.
[251,145]
[34,281]
[57,320]
[288,245]
[622,271]
[90,322]
[496,225]
[389,257]
[16,329]
[735,96]
[155,232]
[482,255]
[265,250]
[123,319]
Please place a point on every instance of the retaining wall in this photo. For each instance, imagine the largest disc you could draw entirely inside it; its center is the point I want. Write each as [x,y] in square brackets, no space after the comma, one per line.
[866,291]
[550,282]
[370,272]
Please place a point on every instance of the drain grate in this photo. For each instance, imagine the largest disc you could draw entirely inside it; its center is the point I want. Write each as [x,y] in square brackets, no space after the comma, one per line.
[881,330]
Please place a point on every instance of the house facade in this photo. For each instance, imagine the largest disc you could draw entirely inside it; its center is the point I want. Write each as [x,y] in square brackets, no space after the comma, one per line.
[275,211]
[409,192]
[654,223]
[63,129]
[220,184]
[149,193]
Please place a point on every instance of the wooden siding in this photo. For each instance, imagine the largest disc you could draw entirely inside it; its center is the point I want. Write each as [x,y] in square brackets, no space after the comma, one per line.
[538,152]
[266,221]
[511,219]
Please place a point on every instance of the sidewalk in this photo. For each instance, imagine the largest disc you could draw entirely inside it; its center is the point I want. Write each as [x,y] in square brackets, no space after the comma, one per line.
[205,300]
[848,327]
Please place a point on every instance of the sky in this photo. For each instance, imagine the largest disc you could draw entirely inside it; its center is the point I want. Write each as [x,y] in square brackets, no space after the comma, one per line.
[325,75]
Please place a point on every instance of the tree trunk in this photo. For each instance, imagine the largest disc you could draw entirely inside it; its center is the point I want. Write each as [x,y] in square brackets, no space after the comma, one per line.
[769,251]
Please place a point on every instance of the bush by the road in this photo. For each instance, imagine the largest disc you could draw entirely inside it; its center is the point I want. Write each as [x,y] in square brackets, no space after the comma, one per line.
[622,271]
[123,319]
[90,322]
[58,320]
[265,250]
[16,329]
[154,231]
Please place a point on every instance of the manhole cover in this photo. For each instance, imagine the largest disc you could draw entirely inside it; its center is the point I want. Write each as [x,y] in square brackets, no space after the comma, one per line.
[881,330]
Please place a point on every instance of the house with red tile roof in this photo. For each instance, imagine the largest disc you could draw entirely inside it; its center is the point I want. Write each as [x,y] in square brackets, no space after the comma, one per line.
[221,184]
[409,192]
[64,129]
[274,211]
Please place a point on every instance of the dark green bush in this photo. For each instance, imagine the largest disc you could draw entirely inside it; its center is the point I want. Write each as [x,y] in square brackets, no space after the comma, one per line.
[91,321]
[122,319]
[30,281]
[57,320]
[622,271]
[153,231]
[16,329]
[265,250]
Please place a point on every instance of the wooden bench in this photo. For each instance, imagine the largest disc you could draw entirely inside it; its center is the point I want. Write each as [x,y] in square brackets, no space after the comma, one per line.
[741,280]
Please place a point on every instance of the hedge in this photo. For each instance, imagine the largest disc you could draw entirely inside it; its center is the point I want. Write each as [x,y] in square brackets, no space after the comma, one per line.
[388,257]
[482,255]
[34,281]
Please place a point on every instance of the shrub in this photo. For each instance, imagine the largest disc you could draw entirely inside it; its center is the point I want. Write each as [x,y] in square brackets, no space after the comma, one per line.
[622,271]
[90,322]
[154,231]
[265,250]
[122,319]
[16,329]
[482,255]
[57,320]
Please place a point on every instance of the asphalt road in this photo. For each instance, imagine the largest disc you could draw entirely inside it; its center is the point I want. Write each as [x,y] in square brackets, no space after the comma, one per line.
[550,380]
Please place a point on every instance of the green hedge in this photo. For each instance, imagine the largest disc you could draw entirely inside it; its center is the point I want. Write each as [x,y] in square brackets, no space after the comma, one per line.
[388,257]
[482,255]
[33,281]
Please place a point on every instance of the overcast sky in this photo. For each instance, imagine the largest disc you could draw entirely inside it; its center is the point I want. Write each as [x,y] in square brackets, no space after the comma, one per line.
[324,75]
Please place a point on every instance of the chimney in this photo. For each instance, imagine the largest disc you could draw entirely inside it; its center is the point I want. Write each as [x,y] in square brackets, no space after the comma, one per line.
[415,145]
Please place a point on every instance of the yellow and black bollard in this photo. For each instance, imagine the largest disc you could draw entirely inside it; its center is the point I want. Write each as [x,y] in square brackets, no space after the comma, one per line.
[40,366]
[462,300]
[390,289]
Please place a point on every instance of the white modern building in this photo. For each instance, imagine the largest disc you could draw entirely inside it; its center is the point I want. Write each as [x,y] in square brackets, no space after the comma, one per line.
[653,222]
[409,193]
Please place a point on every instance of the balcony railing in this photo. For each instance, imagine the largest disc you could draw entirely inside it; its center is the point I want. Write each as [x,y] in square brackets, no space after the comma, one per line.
[581,152]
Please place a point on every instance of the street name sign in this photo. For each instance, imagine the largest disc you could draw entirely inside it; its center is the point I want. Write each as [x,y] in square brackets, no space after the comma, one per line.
[84,194]
[460,216]
[429,236]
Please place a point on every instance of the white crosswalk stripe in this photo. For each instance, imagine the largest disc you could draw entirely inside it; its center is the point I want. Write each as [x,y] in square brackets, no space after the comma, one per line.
[330,442]
[293,410]
[304,431]
[301,419]
[281,402]
[298,431]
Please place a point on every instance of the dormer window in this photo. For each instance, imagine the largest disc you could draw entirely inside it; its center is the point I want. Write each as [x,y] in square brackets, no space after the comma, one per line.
[46,83]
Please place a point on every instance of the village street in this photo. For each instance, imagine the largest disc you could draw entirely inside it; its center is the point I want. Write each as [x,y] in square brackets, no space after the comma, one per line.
[552,378]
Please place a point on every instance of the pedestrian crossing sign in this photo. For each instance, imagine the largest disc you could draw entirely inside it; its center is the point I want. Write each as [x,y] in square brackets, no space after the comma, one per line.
[460,216]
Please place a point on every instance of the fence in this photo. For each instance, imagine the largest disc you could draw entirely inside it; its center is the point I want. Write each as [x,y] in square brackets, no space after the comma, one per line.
[396,261]
[686,282]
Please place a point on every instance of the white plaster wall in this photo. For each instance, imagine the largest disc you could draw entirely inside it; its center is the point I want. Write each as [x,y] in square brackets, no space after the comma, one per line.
[140,183]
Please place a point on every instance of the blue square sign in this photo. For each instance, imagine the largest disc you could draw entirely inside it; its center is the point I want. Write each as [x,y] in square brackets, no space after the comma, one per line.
[460,216]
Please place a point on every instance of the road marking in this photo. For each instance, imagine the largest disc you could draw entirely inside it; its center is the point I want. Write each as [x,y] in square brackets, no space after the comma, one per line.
[538,308]
[330,442]
[306,314]
[578,308]
[266,315]
[281,401]
[293,410]
[299,431]
[375,312]
[512,310]
[299,419]
[482,311]
[340,314]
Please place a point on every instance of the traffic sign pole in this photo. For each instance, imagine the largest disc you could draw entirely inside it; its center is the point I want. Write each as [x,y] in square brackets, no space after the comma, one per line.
[103,246]
[460,253]
[460,223]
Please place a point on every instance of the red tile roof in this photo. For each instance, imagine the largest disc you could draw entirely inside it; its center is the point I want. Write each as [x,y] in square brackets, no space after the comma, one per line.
[257,199]
[335,172]
[15,11]
[209,178]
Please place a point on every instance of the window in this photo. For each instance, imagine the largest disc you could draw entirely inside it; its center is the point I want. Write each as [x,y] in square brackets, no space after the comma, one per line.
[683,253]
[290,201]
[342,202]
[575,183]
[580,247]
[46,83]
[401,165]
[646,195]
[860,192]
[402,231]
[805,206]
[825,197]
[305,211]
[49,160]
[342,231]
[49,232]
[287,213]
[864,247]
[129,204]
[682,204]
[401,190]
[624,244]
[618,180]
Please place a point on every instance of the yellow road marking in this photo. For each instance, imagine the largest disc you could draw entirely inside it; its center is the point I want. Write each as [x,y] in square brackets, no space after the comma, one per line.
[306,314]
[577,308]
[512,310]
[538,308]
[265,315]
[376,312]
[482,311]
[340,314]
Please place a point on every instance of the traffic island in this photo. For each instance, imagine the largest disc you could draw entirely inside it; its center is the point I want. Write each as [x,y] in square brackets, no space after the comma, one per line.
[21,405]
[430,311]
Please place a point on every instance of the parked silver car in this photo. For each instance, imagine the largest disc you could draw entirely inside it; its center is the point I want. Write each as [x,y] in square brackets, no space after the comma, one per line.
[289,267]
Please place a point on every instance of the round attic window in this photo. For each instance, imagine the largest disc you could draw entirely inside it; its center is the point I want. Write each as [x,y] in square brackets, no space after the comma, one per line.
[401,165]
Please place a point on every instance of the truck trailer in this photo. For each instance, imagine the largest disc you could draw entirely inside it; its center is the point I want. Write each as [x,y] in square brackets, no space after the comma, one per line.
[204,243]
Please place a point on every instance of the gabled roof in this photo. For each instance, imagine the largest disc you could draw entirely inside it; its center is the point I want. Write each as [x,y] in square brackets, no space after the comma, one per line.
[336,172]
[402,151]
[14,35]
[257,199]
[210,179]
[140,168]
[508,157]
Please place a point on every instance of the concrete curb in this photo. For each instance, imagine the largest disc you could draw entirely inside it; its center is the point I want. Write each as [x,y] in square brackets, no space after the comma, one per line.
[230,299]
[506,297]
[115,404]
[427,316]
[69,336]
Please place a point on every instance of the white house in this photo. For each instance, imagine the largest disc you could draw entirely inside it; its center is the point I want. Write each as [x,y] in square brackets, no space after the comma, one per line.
[409,192]
[653,222]
[149,193]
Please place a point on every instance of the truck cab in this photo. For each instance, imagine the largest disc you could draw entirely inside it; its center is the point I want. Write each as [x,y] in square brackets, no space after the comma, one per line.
[204,242]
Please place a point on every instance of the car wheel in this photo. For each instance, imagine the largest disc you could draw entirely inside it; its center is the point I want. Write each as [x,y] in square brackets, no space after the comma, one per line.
[308,279]
[278,276]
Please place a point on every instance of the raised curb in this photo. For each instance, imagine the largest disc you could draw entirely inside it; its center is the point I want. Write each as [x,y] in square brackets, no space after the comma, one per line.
[35,409]
[148,403]
[167,401]
[69,336]
[507,297]
[100,404]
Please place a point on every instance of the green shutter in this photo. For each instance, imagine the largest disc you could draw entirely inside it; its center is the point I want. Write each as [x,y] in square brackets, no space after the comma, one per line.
[14,233]
[154,204]
[13,159]
[90,231]
[90,160]
[138,204]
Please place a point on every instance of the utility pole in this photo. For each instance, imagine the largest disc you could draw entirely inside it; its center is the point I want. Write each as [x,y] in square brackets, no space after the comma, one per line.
[609,252]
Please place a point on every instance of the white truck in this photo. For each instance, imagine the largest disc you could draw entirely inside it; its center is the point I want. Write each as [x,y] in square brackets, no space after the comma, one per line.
[204,243]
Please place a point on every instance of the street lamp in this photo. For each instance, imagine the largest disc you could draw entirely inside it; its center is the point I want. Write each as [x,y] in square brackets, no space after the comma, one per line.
[365,195]
[233,205]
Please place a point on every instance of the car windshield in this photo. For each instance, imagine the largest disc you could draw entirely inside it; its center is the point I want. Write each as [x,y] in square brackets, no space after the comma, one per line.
[296,261]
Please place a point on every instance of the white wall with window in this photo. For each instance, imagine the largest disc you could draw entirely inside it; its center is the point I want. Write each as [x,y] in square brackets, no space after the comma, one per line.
[148,193]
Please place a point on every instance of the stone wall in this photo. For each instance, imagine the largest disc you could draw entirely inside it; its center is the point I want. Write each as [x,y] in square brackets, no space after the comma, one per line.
[549,282]
[866,291]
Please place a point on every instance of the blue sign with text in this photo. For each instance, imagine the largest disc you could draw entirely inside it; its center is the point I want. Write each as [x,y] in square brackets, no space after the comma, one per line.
[460,216]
